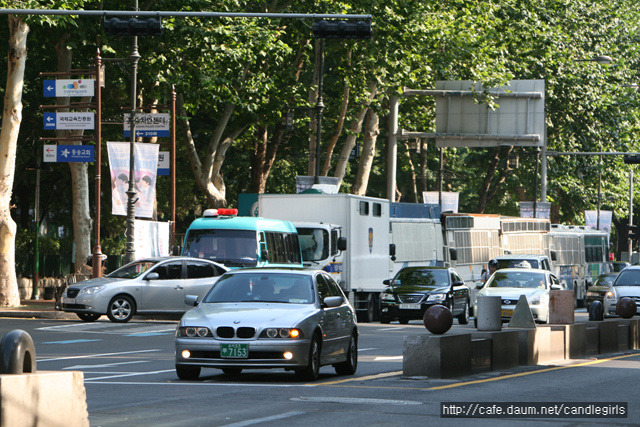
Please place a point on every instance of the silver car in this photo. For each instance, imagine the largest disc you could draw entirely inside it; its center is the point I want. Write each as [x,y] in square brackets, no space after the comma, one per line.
[291,319]
[150,285]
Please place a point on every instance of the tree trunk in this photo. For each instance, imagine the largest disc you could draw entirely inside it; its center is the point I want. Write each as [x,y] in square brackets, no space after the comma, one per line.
[208,175]
[367,155]
[412,172]
[354,129]
[80,213]
[11,119]
[339,126]
[313,98]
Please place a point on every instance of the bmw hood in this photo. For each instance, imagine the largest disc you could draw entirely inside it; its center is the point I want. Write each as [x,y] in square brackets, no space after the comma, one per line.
[248,314]
[95,282]
[627,291]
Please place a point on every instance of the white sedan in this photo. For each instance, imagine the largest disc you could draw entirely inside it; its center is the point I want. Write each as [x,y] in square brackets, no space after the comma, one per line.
[627,284]
[510,283]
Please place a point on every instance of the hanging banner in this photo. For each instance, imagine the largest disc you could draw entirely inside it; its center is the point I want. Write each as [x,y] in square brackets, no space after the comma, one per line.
[449,200]
[591,220]
[151,238]
[145,173]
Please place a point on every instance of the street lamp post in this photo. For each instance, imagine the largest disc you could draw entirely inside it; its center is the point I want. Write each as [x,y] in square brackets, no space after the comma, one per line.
[338,29]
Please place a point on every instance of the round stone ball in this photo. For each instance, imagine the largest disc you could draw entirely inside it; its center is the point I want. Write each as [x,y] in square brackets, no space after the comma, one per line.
[626,308]
[438,319]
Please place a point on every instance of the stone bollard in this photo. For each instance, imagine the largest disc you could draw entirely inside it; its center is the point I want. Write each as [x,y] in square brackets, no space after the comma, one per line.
[37,399]
[17,353]
[489,313]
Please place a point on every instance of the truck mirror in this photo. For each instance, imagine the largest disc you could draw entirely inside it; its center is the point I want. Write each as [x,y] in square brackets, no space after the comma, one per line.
[392,251]
[554,256]
[264,254]
[453,254]
[175,250]
[342,243]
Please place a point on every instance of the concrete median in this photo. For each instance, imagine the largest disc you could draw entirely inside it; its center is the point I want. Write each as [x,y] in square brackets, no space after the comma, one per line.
[457,355]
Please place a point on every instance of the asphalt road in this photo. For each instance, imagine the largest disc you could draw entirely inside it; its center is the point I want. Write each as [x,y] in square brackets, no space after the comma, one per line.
[130,381]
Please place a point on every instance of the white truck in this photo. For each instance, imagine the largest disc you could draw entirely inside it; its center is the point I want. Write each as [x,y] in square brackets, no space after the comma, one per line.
[360,240]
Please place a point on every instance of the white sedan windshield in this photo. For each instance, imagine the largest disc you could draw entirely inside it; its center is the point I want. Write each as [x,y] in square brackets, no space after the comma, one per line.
[517,280]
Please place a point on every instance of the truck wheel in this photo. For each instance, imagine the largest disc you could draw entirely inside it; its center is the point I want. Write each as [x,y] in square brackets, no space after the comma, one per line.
[371,312]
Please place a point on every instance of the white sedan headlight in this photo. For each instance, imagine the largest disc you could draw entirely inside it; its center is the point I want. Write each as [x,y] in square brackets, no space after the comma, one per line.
[91,290]
[437,297]
[535,300]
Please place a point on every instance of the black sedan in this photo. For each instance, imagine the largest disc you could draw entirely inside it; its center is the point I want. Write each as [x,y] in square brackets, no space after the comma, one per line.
[414,289]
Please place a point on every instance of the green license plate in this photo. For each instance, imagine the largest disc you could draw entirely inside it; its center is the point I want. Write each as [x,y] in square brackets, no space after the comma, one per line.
[234,351]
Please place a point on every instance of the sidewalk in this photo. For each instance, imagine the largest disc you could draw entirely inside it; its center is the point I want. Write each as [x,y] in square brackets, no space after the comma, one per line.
[37,309]
[43,309]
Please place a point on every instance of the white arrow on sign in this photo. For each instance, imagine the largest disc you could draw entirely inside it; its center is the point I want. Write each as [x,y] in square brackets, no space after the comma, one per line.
[50,119]
[49,88]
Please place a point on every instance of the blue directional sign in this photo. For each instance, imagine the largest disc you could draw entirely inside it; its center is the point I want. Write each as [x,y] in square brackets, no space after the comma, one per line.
[147,133]
[65,121]
[69,153]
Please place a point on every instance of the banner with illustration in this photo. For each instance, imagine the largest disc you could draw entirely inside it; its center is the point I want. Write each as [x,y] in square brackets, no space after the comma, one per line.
[145,173]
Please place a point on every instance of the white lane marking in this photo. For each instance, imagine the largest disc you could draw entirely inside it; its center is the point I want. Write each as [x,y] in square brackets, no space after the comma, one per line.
[352,400]
[86,356]
[130,374]
[392,328]
[106,365]
[112,328]
[381,358]
[365,349]
[264,419]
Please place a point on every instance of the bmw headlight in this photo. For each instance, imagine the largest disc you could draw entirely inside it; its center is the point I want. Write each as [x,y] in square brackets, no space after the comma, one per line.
[386,296]
[437,297]
[610,295]
[194,332]
[287,333]
[91,290]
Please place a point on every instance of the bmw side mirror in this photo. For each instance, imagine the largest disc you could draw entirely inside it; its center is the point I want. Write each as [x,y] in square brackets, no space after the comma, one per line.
[330,302]
[191,300]
[152,276]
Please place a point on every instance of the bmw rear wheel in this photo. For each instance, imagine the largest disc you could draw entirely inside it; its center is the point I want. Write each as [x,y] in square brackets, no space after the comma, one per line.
[349,366]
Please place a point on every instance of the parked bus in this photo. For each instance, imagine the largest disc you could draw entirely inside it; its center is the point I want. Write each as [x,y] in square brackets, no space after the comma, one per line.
[222,236]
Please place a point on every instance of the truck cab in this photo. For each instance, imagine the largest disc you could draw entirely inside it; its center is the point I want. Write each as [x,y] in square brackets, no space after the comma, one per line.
[322,247]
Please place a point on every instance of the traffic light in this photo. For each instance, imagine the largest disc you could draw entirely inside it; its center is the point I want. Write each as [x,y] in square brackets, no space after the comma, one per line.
[632,159]
[634,231]
[133,26]
[345,29]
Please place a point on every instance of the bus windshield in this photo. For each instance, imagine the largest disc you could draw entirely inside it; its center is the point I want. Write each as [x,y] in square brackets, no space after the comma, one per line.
[314,243]
[233,248]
